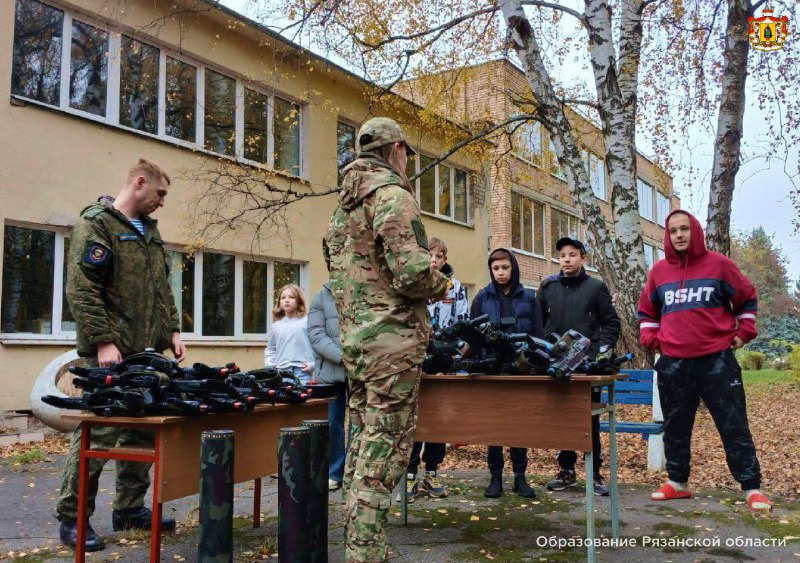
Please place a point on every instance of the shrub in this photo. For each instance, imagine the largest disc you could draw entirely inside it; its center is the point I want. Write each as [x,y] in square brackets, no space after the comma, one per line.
[794,361]
[751,360]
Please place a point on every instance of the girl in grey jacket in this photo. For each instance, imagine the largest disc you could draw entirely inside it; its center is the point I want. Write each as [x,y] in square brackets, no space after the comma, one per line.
[323,332]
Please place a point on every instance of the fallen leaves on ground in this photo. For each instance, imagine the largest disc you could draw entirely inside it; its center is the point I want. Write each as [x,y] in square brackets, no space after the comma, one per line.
[55,443]
[774,414]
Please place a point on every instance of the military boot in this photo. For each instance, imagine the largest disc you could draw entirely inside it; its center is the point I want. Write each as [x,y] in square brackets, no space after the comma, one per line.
[68,533]
[138,518]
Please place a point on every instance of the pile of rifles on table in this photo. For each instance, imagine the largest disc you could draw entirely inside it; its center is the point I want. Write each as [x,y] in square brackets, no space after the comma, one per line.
[149,383]
[505,352]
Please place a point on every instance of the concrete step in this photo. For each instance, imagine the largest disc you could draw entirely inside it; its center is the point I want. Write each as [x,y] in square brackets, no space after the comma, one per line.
[24,437]
[13,421]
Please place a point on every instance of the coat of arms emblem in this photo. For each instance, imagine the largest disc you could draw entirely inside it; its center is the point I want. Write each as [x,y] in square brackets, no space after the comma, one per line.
[768,33]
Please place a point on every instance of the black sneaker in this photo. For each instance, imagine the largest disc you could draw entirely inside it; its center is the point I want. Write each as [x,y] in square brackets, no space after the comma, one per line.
[68,533]
[138,519]
[600,488]
[564,480]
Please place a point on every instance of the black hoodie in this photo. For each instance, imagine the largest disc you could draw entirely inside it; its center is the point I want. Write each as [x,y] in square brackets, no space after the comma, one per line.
[520,302]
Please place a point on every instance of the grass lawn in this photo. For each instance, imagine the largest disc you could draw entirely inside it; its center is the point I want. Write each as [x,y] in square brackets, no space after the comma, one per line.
[767,376]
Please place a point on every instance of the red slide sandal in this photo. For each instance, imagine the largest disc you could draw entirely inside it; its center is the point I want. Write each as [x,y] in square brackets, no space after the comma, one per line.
[668,492]
[759,503]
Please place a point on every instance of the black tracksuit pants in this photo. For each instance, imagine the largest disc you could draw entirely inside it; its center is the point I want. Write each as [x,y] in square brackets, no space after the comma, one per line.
[717,379]
[432,456]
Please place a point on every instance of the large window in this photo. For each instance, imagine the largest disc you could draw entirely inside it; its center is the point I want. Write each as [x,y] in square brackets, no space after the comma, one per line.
[345,147]
[562,225]
[181,98]
[181,278]
[527,224]
[118,80]
[443,190]
[220,104]
[663,206]
[138,89]
[286,132]
[232,295]
[555,167]
[596,170]
[36,67]
[528,142]
[34,278]
[88,73]
[650,255]
[646,200]
[218,296]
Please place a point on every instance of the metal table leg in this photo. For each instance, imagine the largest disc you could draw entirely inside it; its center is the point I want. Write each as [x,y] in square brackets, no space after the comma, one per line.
[590,531]
[612,438]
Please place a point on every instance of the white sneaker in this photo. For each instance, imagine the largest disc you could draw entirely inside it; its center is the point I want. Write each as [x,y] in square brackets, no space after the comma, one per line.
[334,485]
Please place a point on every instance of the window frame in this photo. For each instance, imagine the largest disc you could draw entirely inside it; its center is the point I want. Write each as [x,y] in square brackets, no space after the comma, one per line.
[113,92]
[553,211]
[348,123]
[453,168]
[640,184]
[524,131]
[533,222]
[238,295]
[57,335]
[62,337]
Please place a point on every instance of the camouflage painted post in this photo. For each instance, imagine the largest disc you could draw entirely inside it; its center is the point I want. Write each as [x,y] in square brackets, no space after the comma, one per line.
[216,497]
[318,515]
[294,492]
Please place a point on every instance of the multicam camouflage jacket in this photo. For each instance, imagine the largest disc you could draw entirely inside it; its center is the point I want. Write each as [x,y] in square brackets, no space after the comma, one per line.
[381,276]
[118,284]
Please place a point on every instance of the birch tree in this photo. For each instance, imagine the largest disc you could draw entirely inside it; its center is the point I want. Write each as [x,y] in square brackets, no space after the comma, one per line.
[392,41]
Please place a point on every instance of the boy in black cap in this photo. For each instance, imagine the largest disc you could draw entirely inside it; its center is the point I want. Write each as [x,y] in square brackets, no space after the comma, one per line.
[572,299]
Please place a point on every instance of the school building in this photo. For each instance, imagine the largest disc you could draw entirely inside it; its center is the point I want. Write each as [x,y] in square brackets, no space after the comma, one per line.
[226,107]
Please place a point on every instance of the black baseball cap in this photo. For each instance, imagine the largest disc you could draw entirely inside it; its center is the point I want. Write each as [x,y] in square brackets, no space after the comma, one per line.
[567,241]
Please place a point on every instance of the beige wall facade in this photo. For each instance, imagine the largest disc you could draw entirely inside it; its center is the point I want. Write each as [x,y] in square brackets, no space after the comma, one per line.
[56,160]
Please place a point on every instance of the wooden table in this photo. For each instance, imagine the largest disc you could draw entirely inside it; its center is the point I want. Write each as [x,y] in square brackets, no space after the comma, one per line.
[520,411]
[176,454]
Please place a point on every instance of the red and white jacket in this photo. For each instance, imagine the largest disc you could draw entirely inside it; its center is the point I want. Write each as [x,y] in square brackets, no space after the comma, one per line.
[694,305]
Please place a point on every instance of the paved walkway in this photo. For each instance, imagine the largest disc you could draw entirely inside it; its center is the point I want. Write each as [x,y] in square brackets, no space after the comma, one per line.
[463,527]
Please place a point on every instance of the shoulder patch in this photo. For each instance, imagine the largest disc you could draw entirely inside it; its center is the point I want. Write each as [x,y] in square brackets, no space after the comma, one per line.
[93,211]
[96,254]
[419,233]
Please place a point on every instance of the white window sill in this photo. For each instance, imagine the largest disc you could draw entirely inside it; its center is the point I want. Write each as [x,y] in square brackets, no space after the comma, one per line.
[527,253]
[44,340]
[447,219]
[200,342]
[527,160]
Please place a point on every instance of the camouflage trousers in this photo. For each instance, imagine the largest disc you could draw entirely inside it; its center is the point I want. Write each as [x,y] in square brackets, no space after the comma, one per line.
[383,415]
[133,478]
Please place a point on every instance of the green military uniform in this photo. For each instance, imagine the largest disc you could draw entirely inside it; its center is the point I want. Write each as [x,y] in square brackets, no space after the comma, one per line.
[381,280]
[118,291]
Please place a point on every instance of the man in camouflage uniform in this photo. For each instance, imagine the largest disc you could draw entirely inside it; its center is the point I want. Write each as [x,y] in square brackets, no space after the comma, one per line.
[119,293]
[381,280]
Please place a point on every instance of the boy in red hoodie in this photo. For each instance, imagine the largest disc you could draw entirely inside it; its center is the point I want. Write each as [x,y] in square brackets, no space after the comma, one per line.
[696,309]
